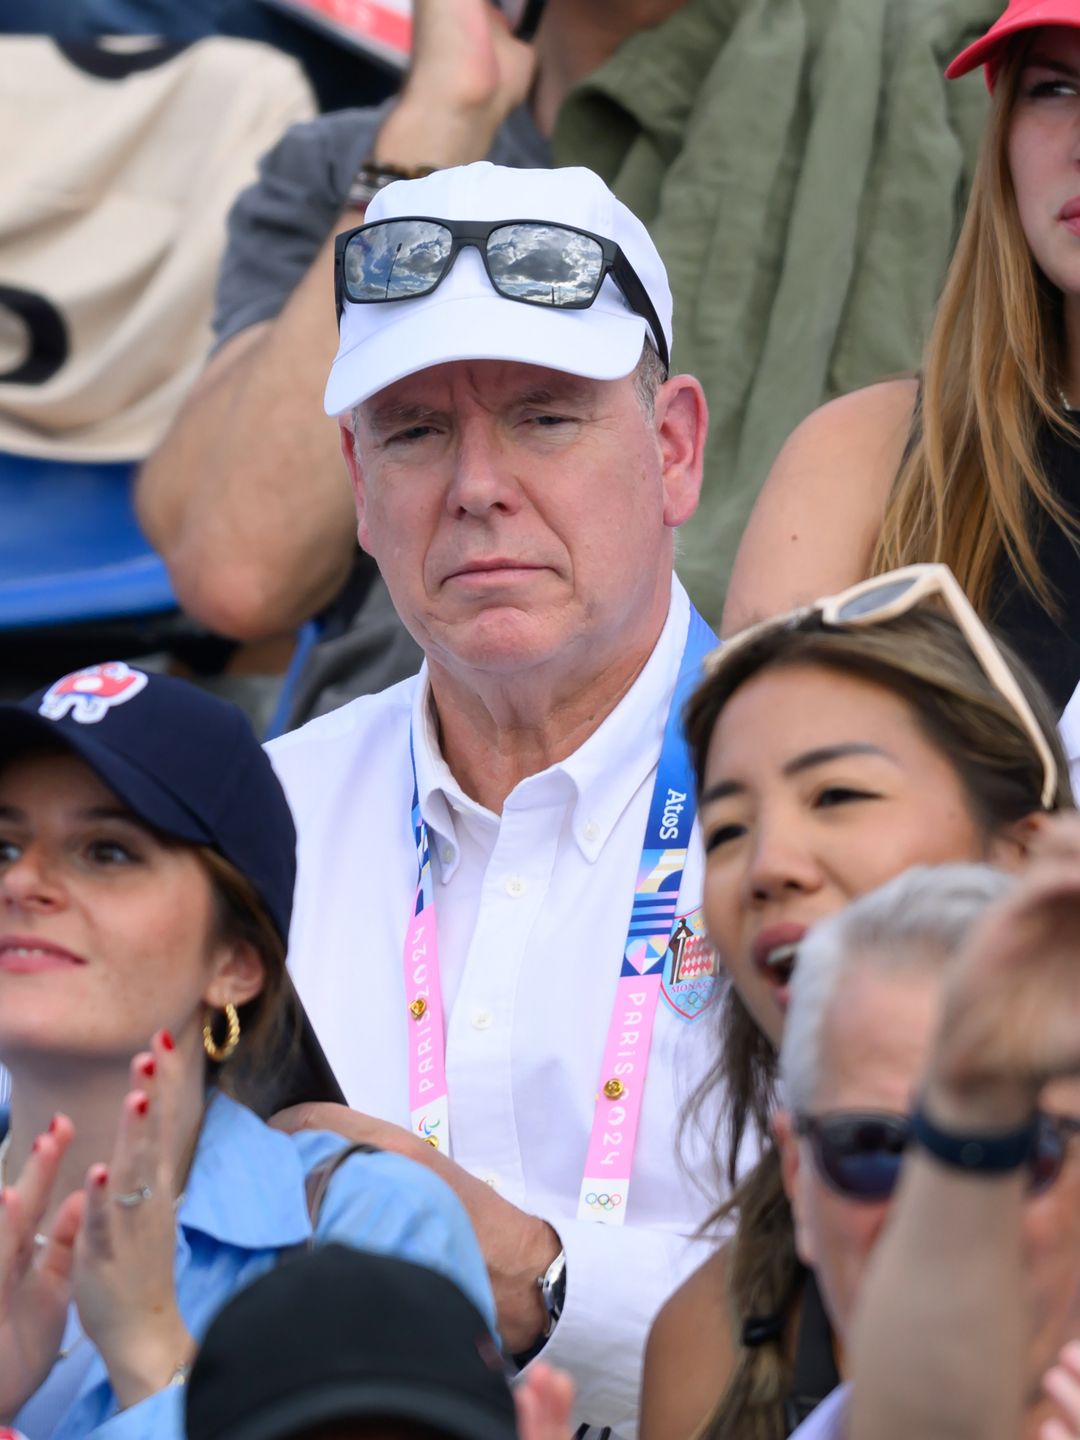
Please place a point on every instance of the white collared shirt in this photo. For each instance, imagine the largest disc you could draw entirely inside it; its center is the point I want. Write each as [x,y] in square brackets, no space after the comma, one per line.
[532,908]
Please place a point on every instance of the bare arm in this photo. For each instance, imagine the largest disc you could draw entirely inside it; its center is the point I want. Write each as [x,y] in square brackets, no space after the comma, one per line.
[813,527]
[943,1328]
[688,1359]
[247,498]
[940,1329]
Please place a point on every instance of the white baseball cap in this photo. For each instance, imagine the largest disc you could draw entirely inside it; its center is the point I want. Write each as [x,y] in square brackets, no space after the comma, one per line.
[466,319]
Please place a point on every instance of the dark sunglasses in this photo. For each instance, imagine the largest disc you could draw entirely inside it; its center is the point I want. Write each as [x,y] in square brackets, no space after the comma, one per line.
[859,1153]
[532,261]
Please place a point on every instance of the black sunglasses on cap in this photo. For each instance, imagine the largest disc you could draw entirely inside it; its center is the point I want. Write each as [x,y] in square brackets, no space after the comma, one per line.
[531,261]
[859,1153]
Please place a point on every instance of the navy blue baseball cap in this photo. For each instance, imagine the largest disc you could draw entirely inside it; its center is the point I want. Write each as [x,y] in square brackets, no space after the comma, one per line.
[183,761]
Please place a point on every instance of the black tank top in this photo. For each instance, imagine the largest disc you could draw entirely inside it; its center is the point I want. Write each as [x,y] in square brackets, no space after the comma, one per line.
[1049,643]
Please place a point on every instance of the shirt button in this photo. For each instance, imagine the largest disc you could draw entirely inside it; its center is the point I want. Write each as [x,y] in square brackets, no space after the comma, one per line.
[446,854]
[483,1020]
[492,1180]
[592,831]
[516,887]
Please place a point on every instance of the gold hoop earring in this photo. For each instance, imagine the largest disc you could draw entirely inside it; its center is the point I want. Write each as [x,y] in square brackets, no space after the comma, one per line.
[220,1053]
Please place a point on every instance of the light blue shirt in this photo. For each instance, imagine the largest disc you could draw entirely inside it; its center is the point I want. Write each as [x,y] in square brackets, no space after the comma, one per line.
[243,1204]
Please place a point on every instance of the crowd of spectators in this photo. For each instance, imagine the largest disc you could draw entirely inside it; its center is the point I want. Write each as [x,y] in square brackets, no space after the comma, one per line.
[575,1025]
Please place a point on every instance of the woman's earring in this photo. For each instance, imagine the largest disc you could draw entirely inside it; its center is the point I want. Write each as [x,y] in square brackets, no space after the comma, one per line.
[220,1053]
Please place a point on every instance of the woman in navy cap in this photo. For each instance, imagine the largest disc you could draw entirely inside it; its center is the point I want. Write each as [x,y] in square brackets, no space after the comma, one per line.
[147,860]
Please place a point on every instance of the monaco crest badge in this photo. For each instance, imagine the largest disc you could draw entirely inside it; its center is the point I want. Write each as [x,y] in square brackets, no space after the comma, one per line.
[691,968]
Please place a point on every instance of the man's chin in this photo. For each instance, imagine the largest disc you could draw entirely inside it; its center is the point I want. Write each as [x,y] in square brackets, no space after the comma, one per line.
[498,638]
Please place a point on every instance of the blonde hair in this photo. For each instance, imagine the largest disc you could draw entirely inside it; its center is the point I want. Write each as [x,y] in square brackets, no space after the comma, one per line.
[971,486]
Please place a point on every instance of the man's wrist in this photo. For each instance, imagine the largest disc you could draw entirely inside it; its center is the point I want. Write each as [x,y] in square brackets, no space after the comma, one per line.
[412,135]
[528,1321]
[988,1105]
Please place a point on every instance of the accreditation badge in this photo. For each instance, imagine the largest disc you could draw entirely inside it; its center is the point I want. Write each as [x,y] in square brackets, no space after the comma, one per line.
[691,968]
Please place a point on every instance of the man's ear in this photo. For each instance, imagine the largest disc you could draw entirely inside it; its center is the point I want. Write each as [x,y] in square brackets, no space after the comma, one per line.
[239,975]
[356,479]
[791,1172]
[682,424]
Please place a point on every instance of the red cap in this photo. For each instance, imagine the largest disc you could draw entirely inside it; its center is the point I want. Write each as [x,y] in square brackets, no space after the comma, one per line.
[1019,15]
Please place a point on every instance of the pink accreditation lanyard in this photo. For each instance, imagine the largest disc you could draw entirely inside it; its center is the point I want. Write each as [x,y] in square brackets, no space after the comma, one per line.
[605,1186]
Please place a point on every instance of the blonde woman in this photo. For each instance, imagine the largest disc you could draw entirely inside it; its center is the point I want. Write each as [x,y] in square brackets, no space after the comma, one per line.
[973,463]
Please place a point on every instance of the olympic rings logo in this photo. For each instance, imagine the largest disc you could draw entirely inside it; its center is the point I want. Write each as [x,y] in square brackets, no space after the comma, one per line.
[602,1202]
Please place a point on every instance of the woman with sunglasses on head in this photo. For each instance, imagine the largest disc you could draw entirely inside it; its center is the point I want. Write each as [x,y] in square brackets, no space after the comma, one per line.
[990,1284]
[147,860]
[975,463]
[833,748]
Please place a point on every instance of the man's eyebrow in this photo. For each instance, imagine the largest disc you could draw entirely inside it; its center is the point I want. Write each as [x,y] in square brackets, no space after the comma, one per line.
[799,763]
[546,394]
[1050,62]
[392,414]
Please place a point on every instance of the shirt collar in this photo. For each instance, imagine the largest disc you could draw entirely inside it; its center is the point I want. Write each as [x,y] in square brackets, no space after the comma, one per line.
[246,1186]
[601,776]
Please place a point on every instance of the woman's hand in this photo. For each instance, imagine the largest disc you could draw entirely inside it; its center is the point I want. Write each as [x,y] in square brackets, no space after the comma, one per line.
[544,1400]
[35,1280]
[1063,1385]
[126,1249]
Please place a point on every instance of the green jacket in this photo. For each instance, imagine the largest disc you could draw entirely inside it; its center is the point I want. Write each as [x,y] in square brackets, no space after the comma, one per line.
[802,166]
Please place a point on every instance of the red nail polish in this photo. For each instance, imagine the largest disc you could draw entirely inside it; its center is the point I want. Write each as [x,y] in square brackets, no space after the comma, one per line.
[167,1042]
[148,1068]
[101,1177]
[142,1105]
[52,1131]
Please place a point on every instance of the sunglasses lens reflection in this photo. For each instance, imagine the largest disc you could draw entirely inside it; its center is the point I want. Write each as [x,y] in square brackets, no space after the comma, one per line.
[396,261]
[545,264]
[861,1155]
[876,599]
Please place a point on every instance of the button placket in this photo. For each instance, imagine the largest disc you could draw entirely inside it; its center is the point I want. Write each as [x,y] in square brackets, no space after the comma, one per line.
[479,1059]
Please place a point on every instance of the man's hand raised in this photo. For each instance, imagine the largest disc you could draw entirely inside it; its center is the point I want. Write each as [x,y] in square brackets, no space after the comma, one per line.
[1011,1020]
[467,73]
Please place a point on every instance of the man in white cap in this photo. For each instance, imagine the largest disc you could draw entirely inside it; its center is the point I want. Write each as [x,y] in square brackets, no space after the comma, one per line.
[497,929]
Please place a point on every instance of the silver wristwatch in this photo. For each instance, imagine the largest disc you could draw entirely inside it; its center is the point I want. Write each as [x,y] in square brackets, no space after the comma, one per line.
[552,1287]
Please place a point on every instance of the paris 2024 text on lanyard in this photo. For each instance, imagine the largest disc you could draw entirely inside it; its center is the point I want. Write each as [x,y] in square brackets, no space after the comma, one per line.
[610,1157]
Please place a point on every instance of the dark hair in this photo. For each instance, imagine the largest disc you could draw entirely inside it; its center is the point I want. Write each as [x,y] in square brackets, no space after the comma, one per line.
[923,658]
[269,1021]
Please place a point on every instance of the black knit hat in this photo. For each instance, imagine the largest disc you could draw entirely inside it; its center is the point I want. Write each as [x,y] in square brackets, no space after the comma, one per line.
[341,1335]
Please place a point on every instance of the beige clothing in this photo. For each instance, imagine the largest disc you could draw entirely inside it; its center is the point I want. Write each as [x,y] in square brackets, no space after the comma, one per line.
[116,176]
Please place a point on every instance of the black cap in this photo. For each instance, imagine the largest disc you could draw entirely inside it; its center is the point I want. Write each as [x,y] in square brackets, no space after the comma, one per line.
[339,1335]
[183,761]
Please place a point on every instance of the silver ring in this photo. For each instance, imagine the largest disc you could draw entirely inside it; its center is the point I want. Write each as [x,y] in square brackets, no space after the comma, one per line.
[131,1198]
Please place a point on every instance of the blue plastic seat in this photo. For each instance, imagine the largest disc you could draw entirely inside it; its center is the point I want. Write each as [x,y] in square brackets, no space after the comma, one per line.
[70,547]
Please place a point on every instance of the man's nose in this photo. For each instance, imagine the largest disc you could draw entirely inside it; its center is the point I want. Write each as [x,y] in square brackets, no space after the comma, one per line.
[484,476]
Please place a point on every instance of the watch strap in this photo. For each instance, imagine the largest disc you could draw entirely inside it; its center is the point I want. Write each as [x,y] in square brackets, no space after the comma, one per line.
[989,1153]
